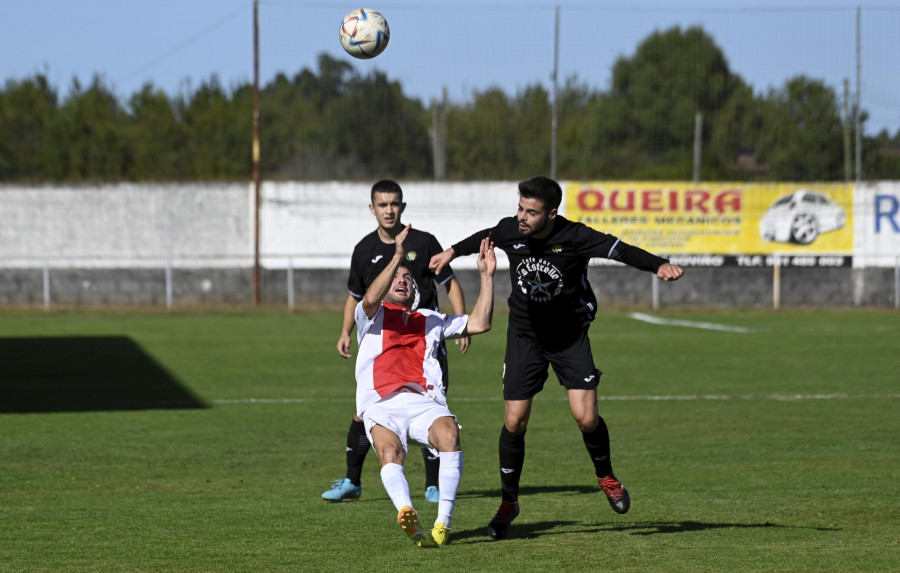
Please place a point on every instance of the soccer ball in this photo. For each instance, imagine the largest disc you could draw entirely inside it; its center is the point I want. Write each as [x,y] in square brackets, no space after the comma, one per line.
[364,33]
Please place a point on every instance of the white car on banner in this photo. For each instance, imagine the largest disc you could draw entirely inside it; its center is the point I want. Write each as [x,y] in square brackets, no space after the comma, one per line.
[801,217]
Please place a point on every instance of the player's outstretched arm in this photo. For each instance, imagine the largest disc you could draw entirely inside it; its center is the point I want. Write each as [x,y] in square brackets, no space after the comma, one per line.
[482,313]
[441,260]
[382,283]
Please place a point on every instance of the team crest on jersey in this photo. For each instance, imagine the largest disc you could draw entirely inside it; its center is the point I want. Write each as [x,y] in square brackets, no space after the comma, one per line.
[556,249]
[411,256]
[539,279]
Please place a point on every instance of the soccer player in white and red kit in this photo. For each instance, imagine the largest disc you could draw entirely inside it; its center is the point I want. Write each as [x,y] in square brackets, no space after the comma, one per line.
[399,394]
[369,258]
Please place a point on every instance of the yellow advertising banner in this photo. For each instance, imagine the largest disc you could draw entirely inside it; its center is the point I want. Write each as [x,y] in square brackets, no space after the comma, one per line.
[718,218]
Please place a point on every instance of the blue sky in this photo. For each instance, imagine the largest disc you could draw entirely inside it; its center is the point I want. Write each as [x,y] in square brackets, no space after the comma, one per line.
[465,47]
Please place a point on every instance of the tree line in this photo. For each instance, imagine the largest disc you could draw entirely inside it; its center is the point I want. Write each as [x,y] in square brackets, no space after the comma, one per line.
[337,123]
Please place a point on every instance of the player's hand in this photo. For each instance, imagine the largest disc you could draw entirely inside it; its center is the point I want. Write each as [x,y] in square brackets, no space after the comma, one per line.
[669,272]
[343,346]
[463,343]
[487,261]
[400,239]
[440,260]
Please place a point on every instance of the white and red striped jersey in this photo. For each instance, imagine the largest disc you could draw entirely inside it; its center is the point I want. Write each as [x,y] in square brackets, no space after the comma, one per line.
[399,347]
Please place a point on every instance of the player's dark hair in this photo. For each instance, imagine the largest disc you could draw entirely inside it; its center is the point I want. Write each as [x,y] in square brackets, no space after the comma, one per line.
[543,188]
[386,186]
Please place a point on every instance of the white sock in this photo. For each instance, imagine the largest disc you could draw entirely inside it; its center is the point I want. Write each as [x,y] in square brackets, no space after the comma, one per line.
[394,481]
[448,482]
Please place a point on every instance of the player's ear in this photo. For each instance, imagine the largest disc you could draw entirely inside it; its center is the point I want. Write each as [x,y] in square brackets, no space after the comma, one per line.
[371,208]
[402,207]
[552,214]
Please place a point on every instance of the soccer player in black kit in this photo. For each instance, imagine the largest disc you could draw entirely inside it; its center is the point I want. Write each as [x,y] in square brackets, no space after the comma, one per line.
[370,256]
[551,307]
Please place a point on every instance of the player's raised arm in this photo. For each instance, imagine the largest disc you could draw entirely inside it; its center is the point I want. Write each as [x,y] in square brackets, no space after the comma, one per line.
[482,313]
[382,283]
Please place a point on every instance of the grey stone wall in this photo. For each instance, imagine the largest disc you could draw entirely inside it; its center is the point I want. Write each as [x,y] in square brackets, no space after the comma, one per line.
[723,287]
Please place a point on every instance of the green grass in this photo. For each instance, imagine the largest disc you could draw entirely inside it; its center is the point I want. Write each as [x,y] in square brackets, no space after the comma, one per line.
[774,450]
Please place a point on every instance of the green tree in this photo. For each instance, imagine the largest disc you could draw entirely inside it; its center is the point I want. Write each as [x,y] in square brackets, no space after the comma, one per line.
[90,136]
[803,135]
[219,132]
[481,138]
[27,110]
[645,123]
[156,137]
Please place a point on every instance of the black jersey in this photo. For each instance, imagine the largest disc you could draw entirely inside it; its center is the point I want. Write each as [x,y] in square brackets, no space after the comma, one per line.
[550,290]
[371,255]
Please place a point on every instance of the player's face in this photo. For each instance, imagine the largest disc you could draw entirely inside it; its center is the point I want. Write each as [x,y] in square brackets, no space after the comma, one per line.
[534,220]
[387,209]
[401,288]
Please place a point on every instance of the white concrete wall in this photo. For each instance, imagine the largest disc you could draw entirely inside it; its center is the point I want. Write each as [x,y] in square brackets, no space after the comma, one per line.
[124,225]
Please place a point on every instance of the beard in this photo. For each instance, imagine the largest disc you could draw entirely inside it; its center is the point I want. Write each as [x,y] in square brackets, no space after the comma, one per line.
[533,230]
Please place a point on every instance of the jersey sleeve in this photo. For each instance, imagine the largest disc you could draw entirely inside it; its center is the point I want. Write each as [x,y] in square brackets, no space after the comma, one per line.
[637,257]
[597,244]
[355,281]
[471,244]
[454,325]
[363,322]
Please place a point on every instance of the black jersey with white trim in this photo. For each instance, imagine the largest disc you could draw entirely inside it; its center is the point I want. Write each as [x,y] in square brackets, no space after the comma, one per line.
[371,255]
[550,288]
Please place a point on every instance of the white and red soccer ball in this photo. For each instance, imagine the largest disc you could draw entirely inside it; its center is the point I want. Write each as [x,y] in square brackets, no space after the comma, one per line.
[364,33]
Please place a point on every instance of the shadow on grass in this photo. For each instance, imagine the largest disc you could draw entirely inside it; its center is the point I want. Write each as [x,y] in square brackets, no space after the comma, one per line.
[85,374]
[572,489]
[522,530]
[541,528]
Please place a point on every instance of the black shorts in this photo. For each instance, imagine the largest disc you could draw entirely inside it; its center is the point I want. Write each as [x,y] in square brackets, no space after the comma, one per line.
[445,366]
[525,367]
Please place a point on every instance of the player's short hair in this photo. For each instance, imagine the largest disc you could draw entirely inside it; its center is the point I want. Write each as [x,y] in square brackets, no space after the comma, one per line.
[543,188]
[386,186]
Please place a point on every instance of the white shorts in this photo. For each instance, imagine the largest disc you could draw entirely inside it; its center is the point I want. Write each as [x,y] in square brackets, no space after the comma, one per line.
[408,414]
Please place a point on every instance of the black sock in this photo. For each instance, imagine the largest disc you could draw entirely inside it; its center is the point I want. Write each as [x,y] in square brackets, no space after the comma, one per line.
[597,444]
[357,448]
[432,466]
[512,457]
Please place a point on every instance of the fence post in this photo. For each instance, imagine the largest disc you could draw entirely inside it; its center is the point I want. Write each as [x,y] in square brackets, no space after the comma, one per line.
[46,285]
[776,282]
[169,282]
[897,282]
[290,283]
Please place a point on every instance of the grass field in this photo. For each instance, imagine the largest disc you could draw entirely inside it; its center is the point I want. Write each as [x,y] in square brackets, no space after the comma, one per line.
[147,441]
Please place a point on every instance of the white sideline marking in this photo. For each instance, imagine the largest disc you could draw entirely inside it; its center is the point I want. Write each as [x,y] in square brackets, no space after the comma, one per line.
[688,323]
[672,398]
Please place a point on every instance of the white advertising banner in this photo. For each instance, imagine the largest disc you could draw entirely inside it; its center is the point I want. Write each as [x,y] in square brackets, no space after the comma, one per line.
[876,224]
